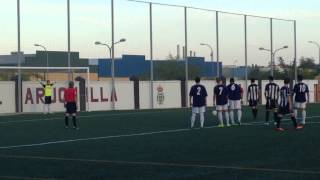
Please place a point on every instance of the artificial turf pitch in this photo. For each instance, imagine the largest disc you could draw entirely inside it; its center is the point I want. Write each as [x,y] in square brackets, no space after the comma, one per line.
[156,145]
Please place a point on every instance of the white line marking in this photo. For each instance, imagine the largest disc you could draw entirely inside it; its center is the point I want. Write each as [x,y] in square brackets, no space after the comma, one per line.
[123,135]
[88,116]
[25,178]
[94,138]
[162,164]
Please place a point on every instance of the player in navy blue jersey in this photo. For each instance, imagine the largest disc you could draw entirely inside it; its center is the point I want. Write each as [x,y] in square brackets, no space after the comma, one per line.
[253,97]
[271,93]
[301,93]
[235,97]
[198,101]
[285,106]
[220,100]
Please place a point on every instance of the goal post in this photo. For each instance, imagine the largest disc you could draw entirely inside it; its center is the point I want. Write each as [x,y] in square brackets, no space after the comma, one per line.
[29,92]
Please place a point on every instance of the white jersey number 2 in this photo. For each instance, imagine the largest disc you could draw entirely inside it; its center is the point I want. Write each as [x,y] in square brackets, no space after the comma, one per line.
[199,91]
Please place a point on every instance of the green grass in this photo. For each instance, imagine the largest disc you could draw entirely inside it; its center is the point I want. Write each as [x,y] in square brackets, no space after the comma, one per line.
[247,152]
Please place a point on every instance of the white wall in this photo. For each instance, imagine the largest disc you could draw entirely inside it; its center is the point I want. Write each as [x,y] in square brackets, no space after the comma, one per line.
[171,92]
[99,95]
[7,97]
[33,96]
[125,95]
[311,84]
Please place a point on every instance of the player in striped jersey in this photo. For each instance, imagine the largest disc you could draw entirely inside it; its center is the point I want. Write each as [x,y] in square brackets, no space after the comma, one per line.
[220,99]
[253,97]
[285,106]
[301,92]
[272,96]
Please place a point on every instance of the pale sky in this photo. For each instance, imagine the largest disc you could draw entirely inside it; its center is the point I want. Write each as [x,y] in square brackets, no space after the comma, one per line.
[44,22]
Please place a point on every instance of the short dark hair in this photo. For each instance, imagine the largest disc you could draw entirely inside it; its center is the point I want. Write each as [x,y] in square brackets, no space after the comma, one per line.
[71,84]
[300,77]
[197,79]
[231,80]
[218,79]
[270,78]
[253,80]
[286,80]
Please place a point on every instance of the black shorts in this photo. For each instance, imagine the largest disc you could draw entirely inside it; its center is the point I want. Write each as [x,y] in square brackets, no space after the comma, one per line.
[47,100]
[284,110]
[271,104]
[253,103]
[71,108]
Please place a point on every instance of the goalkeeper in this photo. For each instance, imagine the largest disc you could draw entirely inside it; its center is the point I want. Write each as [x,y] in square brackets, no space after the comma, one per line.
[48,88]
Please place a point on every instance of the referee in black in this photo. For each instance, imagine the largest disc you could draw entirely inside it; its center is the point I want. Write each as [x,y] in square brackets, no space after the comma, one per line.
[271,94]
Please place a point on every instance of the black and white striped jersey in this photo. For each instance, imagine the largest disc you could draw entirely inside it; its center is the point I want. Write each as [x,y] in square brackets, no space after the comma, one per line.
[272,91]
[253,92]
[284,96]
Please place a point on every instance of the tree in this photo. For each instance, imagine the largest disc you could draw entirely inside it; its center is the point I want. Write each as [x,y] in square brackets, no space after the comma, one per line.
[308,68]
[307,63]
[282,63]
[170,57]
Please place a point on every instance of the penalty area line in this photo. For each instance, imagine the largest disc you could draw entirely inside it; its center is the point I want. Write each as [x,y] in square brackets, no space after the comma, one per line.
[87,116]
[123,135]
[164,164]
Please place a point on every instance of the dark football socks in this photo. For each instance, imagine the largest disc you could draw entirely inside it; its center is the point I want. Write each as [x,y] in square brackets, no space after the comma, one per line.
[74,119]
[255,112]
[267,116]
[66,121]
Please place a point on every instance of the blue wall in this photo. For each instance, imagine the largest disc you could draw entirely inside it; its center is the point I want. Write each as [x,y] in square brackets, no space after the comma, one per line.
[135,65]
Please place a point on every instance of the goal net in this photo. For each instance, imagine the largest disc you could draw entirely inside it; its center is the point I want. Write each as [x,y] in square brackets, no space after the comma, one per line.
[22,89]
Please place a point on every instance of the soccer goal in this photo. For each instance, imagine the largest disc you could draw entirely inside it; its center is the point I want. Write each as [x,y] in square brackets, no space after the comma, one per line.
[22,88]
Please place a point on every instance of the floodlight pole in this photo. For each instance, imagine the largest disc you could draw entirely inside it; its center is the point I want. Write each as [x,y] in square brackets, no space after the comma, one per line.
[112,57]
[151,57]
[295,51]
[217,43]
[186,55]
[19,59]
[273,54]
[246,54]
[211,54]
[318,45]
[47,57]
[234,68]
[271,47]
[69,41]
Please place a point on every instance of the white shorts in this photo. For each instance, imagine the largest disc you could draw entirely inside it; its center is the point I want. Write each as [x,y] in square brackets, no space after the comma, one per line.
[222,107]
[234,104]
[299,105]
[198,110]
